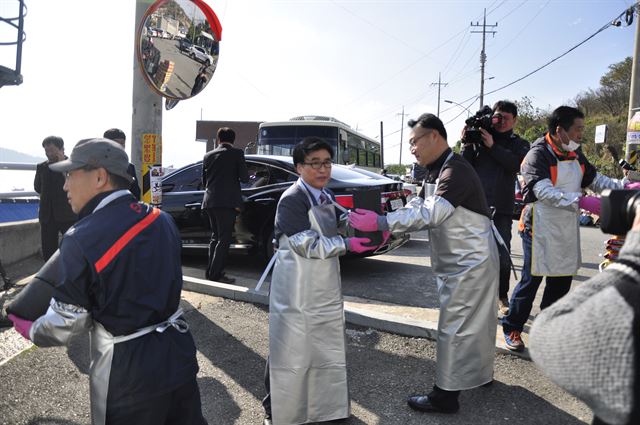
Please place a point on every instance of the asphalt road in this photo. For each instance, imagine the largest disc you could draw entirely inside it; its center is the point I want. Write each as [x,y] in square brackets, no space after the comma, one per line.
[50,386]
[402,276]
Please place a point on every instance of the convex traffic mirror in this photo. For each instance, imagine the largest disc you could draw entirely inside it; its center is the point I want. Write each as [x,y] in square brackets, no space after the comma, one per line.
[178,44]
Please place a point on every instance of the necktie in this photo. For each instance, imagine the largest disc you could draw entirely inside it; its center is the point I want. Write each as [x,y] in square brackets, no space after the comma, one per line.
[324,199]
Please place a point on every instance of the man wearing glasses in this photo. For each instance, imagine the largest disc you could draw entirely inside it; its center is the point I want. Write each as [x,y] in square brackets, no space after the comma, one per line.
[464,258]
[306,374]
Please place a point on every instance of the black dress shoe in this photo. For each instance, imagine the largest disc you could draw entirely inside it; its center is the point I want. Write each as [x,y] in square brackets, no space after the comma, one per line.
[223,278]
[425,404]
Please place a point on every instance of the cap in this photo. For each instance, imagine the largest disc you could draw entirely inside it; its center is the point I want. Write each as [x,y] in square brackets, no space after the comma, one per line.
[98,153]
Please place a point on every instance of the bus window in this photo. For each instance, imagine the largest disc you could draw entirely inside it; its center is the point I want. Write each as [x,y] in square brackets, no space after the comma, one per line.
[362,157]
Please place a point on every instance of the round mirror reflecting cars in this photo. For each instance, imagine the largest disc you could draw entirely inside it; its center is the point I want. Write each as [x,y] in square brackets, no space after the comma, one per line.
[178,44]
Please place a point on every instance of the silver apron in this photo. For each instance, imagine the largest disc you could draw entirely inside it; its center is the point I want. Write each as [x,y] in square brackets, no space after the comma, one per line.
[102,343]
[466,273]
[307,346]
[555,250]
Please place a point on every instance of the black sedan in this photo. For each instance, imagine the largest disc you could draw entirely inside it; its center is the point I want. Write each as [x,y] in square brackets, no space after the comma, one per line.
[269,177]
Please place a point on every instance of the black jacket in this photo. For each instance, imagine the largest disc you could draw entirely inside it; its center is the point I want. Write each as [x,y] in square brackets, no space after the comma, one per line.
[222,171]
[54,205]
[497,168]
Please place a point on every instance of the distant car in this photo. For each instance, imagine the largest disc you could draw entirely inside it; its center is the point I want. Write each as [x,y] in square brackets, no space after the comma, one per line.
[270,176]
[519,203]
[199,54]
[185,45]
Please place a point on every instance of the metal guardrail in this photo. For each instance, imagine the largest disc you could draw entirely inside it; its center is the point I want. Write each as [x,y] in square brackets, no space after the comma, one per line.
[18,166]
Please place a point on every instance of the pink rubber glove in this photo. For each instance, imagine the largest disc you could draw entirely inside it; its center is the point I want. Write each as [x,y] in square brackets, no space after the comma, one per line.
[23,326]
[385,237]
[363,220]
[357,245]
[634,186]
[590,203]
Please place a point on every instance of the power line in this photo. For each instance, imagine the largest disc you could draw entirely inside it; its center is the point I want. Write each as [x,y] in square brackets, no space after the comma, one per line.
[604,27]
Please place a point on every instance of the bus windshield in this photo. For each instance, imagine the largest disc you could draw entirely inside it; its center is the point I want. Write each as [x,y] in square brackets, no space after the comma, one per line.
[280,140]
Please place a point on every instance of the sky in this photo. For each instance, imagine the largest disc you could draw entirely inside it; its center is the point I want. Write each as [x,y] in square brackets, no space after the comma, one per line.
[362,62]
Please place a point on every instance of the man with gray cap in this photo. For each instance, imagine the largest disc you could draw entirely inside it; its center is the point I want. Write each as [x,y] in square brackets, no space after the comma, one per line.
[118,276]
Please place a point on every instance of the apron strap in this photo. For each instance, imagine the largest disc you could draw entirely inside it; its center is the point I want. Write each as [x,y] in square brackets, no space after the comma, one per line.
[179,324]
[266,271]
[501,242]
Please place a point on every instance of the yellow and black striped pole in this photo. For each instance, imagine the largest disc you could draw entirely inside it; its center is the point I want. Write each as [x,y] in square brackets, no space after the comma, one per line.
[152,169]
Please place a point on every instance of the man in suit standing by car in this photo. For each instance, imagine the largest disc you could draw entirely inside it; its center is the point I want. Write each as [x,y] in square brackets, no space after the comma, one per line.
[120,138]
[54,213]
[223,169]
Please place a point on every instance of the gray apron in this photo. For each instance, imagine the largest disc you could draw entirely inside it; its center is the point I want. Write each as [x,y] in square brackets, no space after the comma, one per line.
[307,345]
[466,273]
[555,250]
[102,343]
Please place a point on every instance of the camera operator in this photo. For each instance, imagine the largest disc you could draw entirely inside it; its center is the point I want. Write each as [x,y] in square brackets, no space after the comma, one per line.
[587,342]
[497,161]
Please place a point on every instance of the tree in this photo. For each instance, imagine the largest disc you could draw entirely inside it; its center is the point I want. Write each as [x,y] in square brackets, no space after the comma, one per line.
[398,169]
[612,97]
[532,122]
[608,105]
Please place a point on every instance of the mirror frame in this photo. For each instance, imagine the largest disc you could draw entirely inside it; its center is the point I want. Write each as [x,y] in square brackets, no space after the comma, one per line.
[214,23]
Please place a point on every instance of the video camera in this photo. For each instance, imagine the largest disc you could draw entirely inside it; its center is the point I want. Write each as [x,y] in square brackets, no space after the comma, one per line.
[618,206]
[484,118]
[618,210]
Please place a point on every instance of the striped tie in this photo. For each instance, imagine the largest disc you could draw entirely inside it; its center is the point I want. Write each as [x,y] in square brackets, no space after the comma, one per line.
[324,199]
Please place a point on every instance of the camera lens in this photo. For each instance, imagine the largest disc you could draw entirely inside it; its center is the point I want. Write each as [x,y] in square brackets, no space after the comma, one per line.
[632,205]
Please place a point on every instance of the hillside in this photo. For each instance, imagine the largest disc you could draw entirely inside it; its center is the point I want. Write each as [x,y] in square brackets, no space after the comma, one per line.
[9,155]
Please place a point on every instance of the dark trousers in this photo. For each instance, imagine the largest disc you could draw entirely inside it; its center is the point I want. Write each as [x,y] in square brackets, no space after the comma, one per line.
[49,232]
[525,291]
[266,401]
[179,407]
[222,221]
[503,223]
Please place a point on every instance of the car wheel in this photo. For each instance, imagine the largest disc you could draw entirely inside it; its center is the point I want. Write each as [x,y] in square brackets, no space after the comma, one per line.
[267,244]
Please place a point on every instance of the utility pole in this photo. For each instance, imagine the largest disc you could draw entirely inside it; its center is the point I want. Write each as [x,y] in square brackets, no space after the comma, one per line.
[633,126]
[401,128]
[146,120]
[381,145]
[439,84]
[483,56]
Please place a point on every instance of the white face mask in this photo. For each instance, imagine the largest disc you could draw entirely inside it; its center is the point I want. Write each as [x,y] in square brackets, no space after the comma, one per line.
[571,146]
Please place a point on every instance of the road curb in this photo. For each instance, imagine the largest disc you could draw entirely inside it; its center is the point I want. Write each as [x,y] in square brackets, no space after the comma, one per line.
[362,317]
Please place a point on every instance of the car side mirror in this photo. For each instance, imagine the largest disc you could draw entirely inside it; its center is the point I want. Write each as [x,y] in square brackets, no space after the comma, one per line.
[177,45]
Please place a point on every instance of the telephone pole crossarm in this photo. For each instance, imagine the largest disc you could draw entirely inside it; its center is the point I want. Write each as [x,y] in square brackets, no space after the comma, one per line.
[483,55]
